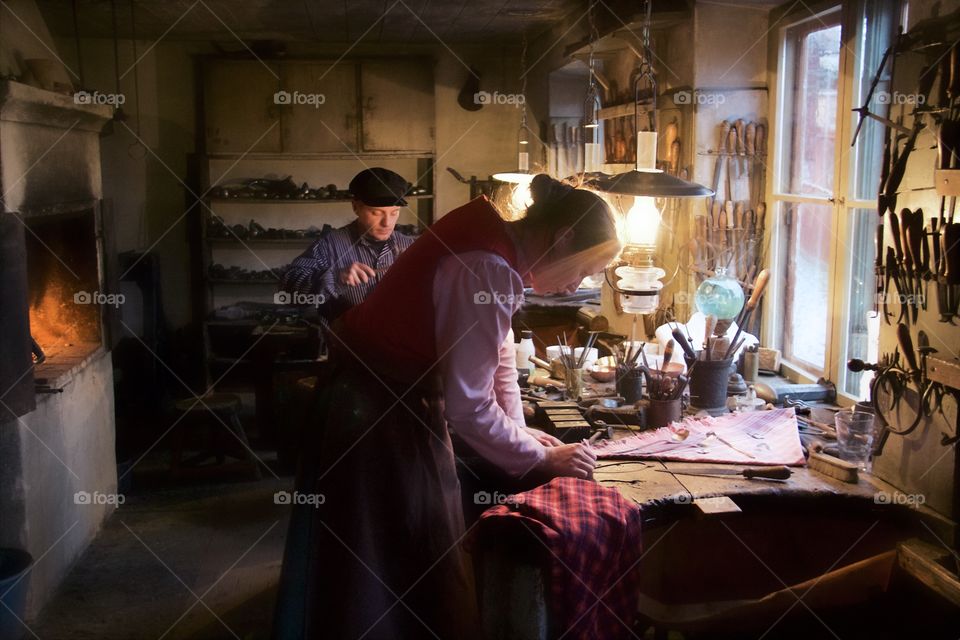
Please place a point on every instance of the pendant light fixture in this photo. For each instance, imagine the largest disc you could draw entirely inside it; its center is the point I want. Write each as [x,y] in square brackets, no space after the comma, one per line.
[592,149]
[520,177]
[639,279]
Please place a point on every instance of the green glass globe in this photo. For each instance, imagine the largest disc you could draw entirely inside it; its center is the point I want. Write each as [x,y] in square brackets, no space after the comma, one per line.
[719,295]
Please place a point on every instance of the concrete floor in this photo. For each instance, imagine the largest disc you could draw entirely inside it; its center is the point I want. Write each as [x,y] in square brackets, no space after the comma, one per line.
[182,561]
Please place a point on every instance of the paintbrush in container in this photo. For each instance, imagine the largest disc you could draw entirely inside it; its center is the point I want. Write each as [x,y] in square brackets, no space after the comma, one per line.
[708,328]
[758,286]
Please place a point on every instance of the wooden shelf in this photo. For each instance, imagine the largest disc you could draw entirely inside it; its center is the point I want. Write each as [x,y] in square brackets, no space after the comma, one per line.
[279,242]
[243,322]
[946,372]
[947,182]
[425,196]
[427,155]
[924,562]
[621,110]
[274,283]
[227,360]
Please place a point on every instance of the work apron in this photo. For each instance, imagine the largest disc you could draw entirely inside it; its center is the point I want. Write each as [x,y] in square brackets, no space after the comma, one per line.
[385,559]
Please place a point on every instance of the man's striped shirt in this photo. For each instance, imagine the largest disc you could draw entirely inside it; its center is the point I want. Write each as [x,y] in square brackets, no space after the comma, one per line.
[317,270]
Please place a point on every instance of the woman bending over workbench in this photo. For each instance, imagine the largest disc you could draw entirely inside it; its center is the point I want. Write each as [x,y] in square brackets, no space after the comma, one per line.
[429,350]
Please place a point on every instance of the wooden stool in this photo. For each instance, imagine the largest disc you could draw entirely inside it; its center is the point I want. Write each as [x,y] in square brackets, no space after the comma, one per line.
[225,408]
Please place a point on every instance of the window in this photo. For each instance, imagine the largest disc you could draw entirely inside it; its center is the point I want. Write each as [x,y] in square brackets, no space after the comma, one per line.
[824,192]
[807,185]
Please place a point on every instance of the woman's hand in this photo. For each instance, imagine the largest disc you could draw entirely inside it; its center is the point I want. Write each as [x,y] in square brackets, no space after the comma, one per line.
[543,438]
[574,460]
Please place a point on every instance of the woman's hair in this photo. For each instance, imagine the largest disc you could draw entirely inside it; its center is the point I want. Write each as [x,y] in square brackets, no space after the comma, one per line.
[557,205]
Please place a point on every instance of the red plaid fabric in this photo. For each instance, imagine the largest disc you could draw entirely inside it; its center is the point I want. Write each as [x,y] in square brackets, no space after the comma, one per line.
[593,534]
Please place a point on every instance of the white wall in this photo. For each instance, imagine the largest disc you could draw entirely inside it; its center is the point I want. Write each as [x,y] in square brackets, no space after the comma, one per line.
[474,142]
[66,445]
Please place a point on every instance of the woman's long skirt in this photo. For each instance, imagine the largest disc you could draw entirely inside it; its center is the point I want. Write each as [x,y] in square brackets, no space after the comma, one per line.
[382,555]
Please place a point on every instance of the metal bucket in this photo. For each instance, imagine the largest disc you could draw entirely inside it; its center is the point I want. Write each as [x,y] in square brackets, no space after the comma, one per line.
[14,563]
[660,413]
[708,383]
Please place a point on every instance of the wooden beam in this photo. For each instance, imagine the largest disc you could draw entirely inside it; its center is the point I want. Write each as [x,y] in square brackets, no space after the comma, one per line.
[946,372]
[923,561]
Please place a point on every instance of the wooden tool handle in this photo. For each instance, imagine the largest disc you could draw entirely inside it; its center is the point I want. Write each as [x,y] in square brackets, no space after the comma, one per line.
[935,241]
[913,226]
[751,138]
[724,132]
[669,134]
[709,326]
[541,381]
[684,344]
[879,246]
[673,157]
[732,145]
[738,127]
[773,473]
[720,349]
[543,364]
[758,286]
[953,86]
[895,233]
[730,210]
[906,220]
[950,250]
[760,143]
[715,213]
[906,345]
[667,355]
[924,248]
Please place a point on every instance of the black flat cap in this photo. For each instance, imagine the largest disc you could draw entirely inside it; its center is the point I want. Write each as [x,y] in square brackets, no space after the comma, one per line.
[379,187]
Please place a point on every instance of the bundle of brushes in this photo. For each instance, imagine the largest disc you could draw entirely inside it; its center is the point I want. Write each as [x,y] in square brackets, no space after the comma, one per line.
[626,353]
[660,385]
[567,353]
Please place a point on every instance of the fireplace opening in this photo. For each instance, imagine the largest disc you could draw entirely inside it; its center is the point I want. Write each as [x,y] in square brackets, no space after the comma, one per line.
[63,279]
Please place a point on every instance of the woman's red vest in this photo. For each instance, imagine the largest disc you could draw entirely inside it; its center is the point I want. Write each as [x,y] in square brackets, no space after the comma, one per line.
[393,329]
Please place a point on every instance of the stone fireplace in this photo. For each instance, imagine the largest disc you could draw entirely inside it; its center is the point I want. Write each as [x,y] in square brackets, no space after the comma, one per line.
[56,376]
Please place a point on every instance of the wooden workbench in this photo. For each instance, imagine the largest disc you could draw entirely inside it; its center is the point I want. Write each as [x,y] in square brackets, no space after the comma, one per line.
[646,482]
[702,554]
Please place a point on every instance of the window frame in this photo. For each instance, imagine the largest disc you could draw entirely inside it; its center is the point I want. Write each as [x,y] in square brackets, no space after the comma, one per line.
[840,264]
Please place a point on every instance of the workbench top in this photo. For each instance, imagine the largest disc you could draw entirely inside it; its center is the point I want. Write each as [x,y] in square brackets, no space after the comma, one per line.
[653,483]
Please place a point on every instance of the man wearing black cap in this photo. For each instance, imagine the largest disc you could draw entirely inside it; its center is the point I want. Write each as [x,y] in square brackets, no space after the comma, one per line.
[347,263]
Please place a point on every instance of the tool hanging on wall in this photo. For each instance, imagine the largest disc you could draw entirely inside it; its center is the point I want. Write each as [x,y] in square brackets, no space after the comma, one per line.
[718,166]
[911,263]
[731,231]
[878,272]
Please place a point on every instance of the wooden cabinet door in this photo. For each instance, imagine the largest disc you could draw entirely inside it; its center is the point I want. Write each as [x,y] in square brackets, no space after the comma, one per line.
[319,125]
[397,106]
[239,111]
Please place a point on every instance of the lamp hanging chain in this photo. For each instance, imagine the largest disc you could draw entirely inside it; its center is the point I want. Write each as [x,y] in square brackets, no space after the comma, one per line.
[523,82]
[592,39]
[592,98]
[646,71]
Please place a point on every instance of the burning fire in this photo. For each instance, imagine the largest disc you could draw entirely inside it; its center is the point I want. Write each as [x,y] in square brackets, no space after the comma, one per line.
[56,321]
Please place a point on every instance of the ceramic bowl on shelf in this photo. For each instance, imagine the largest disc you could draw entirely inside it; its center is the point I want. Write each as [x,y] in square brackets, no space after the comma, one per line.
[604,369]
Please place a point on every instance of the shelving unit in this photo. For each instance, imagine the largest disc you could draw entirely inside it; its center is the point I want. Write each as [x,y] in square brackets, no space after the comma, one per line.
[288,215]
[248,134]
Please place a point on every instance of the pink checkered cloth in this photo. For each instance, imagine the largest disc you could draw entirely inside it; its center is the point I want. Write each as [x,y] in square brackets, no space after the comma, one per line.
[756,437]
[593,536]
